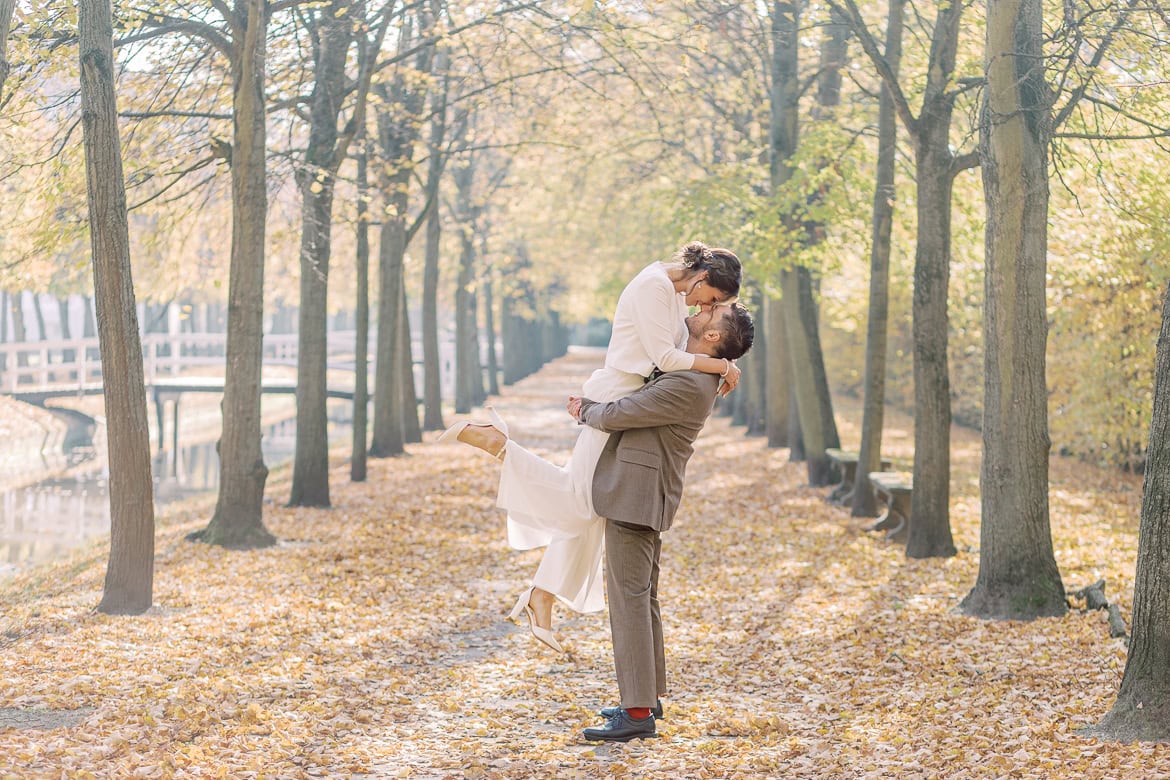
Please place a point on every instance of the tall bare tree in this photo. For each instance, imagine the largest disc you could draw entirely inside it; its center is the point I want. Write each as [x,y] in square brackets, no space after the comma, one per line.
[334,28]
[1142,708]
[130,574]
[936,164]
[810,383]
[432,391]
[361,369]
[238,521]
[877,324]
[1018,576]
[401,103]
[783,129]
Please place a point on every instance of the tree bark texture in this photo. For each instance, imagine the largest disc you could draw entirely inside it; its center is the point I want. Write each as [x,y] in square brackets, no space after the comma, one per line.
[130,574]
[474,356]
[465,221]
[783,133]
[398,132]
[316,179]
[388,439]
[1142,709]
[357,461]
[778,382]
[7,8]
[489,326]
[930,527]
[1018,576]
[805,385]
[238,520]
[834,52]
[411,429]
[432,389]
[869,459]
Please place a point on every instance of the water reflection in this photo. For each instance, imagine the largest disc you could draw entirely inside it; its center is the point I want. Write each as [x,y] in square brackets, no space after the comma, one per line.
[46,520]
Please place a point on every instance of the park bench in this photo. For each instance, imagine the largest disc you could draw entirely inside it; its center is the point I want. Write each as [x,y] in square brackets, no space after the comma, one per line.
[895,488]
[846,461]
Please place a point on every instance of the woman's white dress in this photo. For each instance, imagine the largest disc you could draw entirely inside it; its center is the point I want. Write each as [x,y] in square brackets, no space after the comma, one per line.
[551,505]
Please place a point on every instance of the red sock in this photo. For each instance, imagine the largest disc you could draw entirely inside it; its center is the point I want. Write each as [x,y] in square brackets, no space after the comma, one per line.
[638,713]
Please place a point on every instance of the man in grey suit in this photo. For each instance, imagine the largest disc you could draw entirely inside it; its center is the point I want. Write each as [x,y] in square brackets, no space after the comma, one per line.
[637,488]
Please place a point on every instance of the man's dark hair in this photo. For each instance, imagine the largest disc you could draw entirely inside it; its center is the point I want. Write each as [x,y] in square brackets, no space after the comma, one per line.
[738,333]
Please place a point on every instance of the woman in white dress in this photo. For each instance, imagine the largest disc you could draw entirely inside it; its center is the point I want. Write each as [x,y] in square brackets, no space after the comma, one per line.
[551,505]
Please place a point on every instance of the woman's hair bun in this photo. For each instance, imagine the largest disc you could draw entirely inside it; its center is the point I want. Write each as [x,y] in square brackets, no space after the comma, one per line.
[696,254]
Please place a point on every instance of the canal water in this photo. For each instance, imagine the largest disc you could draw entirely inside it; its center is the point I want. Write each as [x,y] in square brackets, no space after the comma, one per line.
[46,518]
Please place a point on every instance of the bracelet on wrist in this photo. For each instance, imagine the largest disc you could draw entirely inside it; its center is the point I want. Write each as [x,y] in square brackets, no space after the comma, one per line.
[726,367]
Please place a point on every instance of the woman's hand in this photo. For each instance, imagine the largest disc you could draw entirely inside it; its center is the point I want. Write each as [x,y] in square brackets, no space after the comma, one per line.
[730,380]
[574,407]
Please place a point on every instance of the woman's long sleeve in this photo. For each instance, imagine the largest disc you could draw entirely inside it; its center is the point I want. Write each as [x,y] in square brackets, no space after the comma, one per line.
[657,328]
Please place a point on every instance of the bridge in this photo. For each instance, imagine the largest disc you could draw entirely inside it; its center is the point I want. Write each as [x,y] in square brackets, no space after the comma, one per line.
[173,363]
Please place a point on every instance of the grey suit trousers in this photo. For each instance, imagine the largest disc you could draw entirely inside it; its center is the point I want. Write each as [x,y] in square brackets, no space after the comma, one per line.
[631,577]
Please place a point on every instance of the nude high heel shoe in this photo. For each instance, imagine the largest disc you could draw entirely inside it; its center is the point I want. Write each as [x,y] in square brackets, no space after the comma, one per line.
[452,433]
[543,634]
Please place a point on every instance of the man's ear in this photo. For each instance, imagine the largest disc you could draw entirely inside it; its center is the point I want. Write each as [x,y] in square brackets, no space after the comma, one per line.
[712,336]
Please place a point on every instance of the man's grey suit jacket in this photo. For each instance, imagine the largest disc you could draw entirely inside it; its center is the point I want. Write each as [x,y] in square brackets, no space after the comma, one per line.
[639,477]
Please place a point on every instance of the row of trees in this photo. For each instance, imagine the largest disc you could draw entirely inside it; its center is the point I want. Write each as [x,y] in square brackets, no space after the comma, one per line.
[701,117]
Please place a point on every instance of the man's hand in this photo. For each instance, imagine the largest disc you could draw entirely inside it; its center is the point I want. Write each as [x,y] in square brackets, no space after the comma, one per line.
[729,381]
[574,407]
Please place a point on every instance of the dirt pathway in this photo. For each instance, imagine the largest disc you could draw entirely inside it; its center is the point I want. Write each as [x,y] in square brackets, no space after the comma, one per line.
[372,642]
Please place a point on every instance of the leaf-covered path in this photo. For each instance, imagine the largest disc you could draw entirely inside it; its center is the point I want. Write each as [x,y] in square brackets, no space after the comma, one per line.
[372,642]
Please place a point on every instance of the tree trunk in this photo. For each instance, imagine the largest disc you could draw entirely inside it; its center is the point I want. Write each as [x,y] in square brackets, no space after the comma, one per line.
[411,429]
[67,355]
[877,326]
[130,575]
[810,315]
[3,327]
[489,326]
[398,120]
[238,520]
[474,359]
[1018,576]
[750,407]
[1142,709]
[357,461]
[432,361]
[778,375]
[808,404]
[782,141]
[7,7]
[807,355]
[466,358]
[19,332]
[39,316]
[317,180]
[388,435]
[930,527]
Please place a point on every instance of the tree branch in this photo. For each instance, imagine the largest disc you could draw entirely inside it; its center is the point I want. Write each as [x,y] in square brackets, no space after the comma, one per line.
[1094,64]
[869,45]
[182,27]
[187,114]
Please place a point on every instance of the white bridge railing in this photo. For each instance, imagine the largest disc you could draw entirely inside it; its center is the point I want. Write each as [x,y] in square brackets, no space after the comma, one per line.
[35,366]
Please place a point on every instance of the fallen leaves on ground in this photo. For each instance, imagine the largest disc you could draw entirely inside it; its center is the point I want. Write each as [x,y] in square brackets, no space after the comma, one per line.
[372,641]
